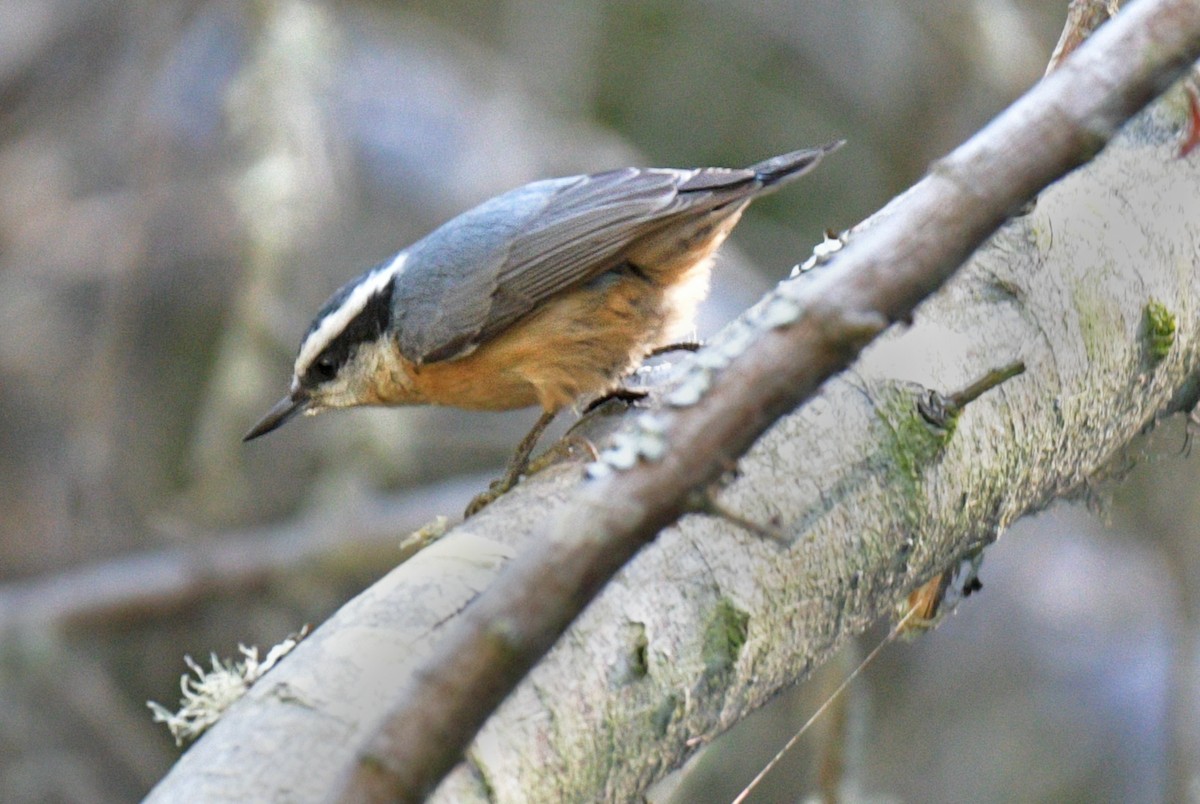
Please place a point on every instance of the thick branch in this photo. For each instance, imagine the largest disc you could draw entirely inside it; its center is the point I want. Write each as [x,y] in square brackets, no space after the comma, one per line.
[759,630]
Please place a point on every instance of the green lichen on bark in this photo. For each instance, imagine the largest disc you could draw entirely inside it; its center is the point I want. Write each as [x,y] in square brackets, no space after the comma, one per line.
[1159,326]
[724,637]
[910,443]
[661,716]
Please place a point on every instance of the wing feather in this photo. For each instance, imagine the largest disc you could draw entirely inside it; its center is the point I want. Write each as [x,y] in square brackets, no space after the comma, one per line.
[481,272]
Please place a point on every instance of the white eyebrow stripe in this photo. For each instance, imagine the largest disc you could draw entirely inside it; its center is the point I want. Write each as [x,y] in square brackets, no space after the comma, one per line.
[335,322]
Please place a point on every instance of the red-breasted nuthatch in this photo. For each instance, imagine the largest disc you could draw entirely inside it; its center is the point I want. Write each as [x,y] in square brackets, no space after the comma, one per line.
[544,295]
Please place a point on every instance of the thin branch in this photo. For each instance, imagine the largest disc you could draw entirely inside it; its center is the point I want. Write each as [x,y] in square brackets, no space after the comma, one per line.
[941,409]
[153,582]
[1083,17]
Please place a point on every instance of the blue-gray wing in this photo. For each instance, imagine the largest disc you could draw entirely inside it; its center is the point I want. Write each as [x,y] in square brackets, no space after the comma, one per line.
[479,273]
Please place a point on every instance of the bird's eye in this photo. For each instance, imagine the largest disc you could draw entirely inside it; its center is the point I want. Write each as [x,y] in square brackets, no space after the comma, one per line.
[325,367]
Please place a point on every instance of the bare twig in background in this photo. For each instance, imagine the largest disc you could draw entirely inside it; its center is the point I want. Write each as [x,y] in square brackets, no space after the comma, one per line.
[1058,125]
[147,584]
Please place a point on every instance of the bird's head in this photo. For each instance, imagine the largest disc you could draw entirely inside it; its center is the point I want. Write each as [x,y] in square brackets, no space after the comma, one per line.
[344,351]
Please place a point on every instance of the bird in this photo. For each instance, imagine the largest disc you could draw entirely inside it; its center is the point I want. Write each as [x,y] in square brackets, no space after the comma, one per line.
[545,295]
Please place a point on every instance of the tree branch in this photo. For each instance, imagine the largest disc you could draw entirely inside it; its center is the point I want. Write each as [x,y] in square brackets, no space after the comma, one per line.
[154,581]
[710,621]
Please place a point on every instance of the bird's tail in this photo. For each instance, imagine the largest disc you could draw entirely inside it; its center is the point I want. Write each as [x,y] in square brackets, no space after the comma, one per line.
[783,168]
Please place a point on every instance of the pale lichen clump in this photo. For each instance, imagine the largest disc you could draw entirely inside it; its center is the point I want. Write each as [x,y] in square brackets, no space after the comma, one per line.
[211,692]
[822,253]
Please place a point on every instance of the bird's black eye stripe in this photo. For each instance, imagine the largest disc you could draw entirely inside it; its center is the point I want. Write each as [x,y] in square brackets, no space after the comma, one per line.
[370,324]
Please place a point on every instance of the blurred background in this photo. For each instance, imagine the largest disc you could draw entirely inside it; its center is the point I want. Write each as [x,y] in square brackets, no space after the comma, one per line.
[183,182]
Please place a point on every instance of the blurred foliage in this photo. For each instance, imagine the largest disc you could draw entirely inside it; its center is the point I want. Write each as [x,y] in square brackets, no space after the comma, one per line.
[182,182]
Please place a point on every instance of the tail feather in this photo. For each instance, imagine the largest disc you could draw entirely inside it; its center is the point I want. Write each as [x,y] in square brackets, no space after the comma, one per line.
[785,167]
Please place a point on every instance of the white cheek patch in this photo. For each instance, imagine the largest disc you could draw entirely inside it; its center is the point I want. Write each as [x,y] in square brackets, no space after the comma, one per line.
[353,384]
[335,322]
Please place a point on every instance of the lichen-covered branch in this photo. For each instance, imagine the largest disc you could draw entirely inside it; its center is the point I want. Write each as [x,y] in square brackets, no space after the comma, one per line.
[710,620]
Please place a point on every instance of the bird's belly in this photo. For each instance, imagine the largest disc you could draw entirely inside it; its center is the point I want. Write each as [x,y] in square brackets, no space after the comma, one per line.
[576,346]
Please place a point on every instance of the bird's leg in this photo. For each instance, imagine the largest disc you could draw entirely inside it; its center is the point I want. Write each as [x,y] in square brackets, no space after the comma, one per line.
[680,346]
[631,395]
[572,440]
[627,395]
[516,465]
[520,460]
[562,450]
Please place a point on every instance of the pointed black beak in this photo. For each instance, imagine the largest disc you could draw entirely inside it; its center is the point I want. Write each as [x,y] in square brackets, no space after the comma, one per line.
[284,409]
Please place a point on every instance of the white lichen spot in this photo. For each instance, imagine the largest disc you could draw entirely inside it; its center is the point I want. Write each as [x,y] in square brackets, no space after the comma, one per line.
[651,446]
[822,253]
[711,358]
[211,692]
[622,454]
[598,469]
[738,339]
[777,312]
[644,441]
[689,391]
[652,422]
